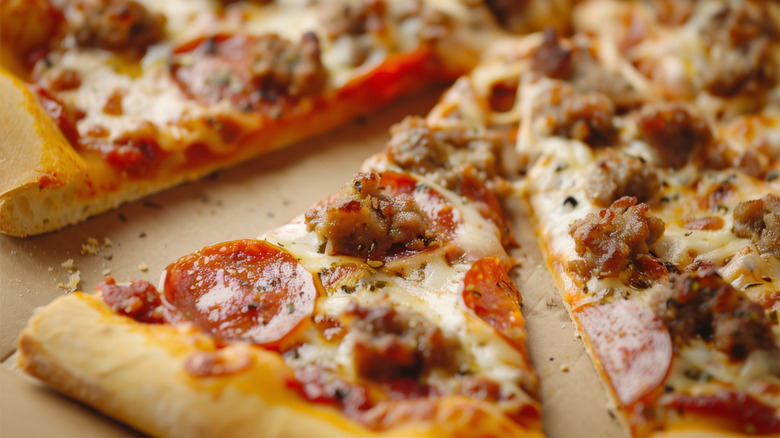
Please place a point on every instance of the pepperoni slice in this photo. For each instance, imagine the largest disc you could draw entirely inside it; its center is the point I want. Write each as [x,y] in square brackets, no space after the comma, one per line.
[488,291]
[245,290]
[632,344]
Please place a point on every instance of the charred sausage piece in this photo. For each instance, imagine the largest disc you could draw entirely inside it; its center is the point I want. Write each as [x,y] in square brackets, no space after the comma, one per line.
[608,240]
[759,221]
[701,305]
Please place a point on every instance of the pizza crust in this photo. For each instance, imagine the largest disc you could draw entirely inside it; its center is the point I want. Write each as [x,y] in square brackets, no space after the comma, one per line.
[140,380]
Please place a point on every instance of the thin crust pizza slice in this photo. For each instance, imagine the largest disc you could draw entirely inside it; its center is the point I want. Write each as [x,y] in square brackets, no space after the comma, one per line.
[658,215]
[655,206]
[107,101]
[386,309]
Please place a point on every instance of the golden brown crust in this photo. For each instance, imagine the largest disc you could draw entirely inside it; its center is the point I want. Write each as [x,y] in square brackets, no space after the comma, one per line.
[143,382]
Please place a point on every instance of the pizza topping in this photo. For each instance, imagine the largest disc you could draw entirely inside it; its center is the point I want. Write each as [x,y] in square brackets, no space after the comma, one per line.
[377,216]
[136,153]
[368,16]
[417,147]
[584,116]
[245,290]
[64,79]
[674,132]
[608,240]
[17,32]
[759,221]
[392,344]
[632,345]
[251,72]
[702,305]
[743,412]
[616,177]
[741,38]
[488,291]
[138,299]
[120,25]
[550,59]
[65,116]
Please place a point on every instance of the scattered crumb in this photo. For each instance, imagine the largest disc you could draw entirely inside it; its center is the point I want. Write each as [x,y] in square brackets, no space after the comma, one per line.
[13,252]
[91,247]
[68,264]
[564,368]
[51,268]
[151,204]
[107,242]
[106,272]
[612,415]
[73,282]
[550,304]
[577,335]
[142,234]
[142,267]
[552,359]
[122,217]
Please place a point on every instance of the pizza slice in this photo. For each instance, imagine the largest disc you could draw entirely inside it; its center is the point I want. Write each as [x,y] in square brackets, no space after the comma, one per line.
[386,309]
[656,208]
[107,101]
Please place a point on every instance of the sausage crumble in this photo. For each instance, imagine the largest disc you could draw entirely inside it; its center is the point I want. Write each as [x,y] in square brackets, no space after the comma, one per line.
[363,221]
[702,305]
[391,344]
[616,177]
[759,221]
[674,132]
[120,25]
[609,240]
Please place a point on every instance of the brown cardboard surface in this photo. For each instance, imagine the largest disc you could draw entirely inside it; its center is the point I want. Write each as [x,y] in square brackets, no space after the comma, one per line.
[241,203]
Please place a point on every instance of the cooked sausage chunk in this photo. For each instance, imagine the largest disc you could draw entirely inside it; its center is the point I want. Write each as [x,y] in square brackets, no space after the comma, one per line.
[120,25]
[390,343]
[674,132]
[616,177]
[608,240]
[741,38]
[363,221]
[579,67]
[280,66]
[418,148]
[702,305]
[759,221]
[586,116]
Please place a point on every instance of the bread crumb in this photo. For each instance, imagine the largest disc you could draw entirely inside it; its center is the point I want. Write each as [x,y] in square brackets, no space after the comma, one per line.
[13,252]
[106,272]
[73,282]
[142,267]
[107,242]
[51,268]
[91,247]
[564,368]
[68,264]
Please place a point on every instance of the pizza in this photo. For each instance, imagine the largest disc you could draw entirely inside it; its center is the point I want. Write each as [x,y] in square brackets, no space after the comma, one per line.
[110,101]
[642,138]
